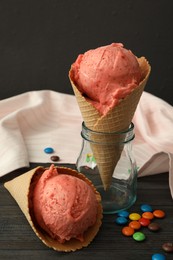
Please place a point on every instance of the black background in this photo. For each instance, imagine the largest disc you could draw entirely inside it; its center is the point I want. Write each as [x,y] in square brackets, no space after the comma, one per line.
[40,39]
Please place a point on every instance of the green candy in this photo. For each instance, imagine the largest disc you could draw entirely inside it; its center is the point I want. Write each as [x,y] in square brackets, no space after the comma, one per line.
[139,236]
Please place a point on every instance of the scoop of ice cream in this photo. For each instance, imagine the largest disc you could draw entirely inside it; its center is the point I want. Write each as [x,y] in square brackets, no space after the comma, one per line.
[106,75]
[64,205]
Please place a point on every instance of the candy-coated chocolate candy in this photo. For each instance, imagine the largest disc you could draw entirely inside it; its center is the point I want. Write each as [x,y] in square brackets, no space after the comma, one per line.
[148,215]
[135,224]
[154,227]
[144,222]
[146,207]
[134,216]
[168,247]
[121,220]
[139,236]
[158,257]
[55,158]
[48,150]
[158,213]
[128,231]
[123,213]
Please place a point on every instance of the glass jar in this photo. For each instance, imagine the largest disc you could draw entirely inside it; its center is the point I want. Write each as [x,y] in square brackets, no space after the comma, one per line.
[107,160]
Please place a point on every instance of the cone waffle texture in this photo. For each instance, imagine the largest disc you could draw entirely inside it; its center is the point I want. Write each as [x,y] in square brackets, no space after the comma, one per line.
[116,120]
[21,189]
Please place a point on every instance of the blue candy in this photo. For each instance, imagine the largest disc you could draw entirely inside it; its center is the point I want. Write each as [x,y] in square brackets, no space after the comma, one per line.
[158,257]
[123,213]
[48,150]
[146,208]
[121,220]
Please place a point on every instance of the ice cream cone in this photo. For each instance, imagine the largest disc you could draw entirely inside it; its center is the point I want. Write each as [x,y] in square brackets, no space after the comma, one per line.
[116,120]
[21,189]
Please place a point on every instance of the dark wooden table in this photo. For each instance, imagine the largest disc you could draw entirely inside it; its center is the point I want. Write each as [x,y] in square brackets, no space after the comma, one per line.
[18,241]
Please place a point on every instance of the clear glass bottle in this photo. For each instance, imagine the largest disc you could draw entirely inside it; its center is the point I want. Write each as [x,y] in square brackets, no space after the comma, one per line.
[115,148]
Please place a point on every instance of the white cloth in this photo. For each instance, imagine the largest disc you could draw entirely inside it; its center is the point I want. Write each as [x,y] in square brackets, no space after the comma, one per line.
[35,120]
[153,145]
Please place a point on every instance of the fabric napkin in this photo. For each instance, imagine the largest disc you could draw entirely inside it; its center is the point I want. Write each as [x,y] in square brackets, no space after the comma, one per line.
[32,121]
[153,145]
[35,120]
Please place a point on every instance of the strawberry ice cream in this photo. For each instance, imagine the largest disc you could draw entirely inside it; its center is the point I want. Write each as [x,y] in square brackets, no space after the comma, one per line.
[106,75]
[64,205]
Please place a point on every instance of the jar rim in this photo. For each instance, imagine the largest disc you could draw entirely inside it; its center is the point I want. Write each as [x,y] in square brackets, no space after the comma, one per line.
[130,128]
[111,138]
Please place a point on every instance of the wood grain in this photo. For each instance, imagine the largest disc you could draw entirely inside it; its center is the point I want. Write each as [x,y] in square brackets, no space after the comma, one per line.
[18,241]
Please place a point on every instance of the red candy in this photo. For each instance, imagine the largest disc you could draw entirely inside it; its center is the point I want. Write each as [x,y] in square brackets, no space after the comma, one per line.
[144,222]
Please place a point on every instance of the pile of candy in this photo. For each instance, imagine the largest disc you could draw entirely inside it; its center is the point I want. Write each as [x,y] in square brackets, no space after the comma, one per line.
[50,150]
[132,223]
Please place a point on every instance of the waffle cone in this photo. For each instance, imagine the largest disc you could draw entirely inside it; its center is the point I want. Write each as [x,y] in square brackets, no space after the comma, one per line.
[21,190]
[116,120]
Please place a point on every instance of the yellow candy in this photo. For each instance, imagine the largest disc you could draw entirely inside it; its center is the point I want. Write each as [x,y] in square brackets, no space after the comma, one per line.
[134,216]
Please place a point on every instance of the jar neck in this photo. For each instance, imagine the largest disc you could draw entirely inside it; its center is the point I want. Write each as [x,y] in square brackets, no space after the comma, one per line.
[124,136]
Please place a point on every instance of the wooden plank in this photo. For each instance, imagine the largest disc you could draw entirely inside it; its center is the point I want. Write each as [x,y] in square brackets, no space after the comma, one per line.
[18,241]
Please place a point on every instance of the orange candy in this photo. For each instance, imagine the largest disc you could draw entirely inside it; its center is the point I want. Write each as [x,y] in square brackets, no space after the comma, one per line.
[128,231]
[158,213]
[148,215]
[135,224]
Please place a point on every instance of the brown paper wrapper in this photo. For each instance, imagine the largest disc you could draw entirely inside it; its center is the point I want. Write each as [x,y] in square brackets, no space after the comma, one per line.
[116,120]
[21,189]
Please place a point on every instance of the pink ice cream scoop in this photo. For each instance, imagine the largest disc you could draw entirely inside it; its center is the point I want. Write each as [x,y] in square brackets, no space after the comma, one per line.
[64,205]
[106,75]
